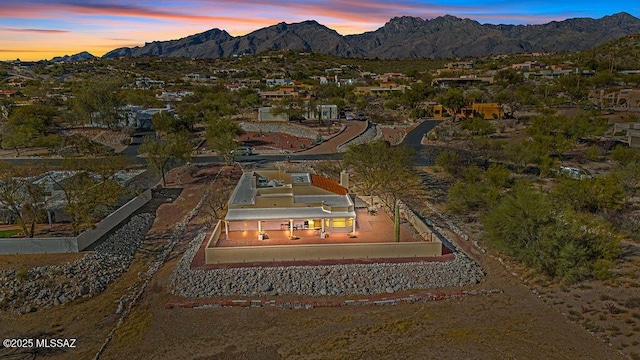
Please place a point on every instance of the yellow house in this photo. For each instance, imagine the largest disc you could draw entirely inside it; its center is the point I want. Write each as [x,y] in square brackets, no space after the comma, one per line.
[384,88]
[487,111]
[275,200]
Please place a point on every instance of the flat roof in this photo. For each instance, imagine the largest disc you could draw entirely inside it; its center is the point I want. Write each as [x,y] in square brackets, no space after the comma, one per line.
[285,213]
[331,200]
[244,194]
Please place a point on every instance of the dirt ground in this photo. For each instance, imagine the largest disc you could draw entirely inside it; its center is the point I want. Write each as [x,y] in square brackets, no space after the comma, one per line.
[514,324]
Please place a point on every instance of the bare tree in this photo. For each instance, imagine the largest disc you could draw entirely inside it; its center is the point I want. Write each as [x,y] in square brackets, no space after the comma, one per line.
[161,154]
[22,198]
[217,198]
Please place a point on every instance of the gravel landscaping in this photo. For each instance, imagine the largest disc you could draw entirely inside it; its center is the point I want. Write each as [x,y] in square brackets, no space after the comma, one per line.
[287,128]
[370,134]
[350,279]
[47,286]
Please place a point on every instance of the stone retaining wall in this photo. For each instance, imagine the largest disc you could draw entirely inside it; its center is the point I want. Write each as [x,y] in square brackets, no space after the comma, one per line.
[287,128]
[370,133]
[47,286]
[319,280]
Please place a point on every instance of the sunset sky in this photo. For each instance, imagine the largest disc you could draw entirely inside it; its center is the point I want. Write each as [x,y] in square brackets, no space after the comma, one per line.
[42,29]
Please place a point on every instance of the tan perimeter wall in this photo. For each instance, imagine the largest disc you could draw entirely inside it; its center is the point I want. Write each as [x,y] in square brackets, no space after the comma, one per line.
[215,235]
[319,252]
[74,244]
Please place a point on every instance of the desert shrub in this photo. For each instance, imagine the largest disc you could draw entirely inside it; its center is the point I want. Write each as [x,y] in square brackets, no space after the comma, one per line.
[591,195]
[632,302]
[593,153]
[471,196]
[625,155]
[478,126]
[498,176]
[563,244]
[448,161]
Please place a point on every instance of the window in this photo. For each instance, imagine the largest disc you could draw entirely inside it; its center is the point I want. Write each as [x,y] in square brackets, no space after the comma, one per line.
[339,223]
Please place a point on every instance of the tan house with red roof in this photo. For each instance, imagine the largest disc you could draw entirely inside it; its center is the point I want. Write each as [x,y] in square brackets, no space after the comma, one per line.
[275,200]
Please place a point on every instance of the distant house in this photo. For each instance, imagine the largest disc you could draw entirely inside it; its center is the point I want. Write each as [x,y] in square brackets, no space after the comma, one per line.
[276,200]
[390,77]
[631,130]
[140,117]
[199,77]
[148,83]
[487,111]
[384,88]
[527,66]
[462,80]
[278,82]
[325,112]
[285,91]
[460,65]
[235,86]
[169,96]
[621,98]
[557,71]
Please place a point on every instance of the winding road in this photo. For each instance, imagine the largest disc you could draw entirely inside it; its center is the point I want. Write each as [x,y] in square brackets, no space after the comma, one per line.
[424,154]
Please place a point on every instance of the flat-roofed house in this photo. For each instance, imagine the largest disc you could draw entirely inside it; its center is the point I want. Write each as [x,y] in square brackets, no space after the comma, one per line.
[277,200]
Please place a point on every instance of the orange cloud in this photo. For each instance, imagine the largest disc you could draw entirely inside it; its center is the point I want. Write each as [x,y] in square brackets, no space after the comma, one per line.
[37,31]
[28,11]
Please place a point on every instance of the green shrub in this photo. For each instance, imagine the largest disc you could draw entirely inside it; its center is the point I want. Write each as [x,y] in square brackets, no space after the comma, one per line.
[625,155]
[560,243]
[478,126]
[498,176]
[449,161]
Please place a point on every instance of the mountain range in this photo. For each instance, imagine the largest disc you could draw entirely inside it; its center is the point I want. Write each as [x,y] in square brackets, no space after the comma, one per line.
[401,37]
[82,56]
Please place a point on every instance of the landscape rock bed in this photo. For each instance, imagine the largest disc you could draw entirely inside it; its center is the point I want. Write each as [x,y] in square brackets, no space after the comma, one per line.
[335,280]
[370,134]
[47,286]
[291,129]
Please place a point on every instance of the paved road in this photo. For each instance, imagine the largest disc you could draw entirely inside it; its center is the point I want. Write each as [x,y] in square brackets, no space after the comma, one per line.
[424,154]
[414,137]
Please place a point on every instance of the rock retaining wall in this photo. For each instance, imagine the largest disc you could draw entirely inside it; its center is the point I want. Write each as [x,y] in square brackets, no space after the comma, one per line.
[323,280]
[287,128]
[46,286]
[369,134]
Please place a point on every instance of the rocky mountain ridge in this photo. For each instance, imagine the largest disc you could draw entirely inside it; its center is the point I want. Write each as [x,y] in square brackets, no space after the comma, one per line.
[82,56]
[401,37]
